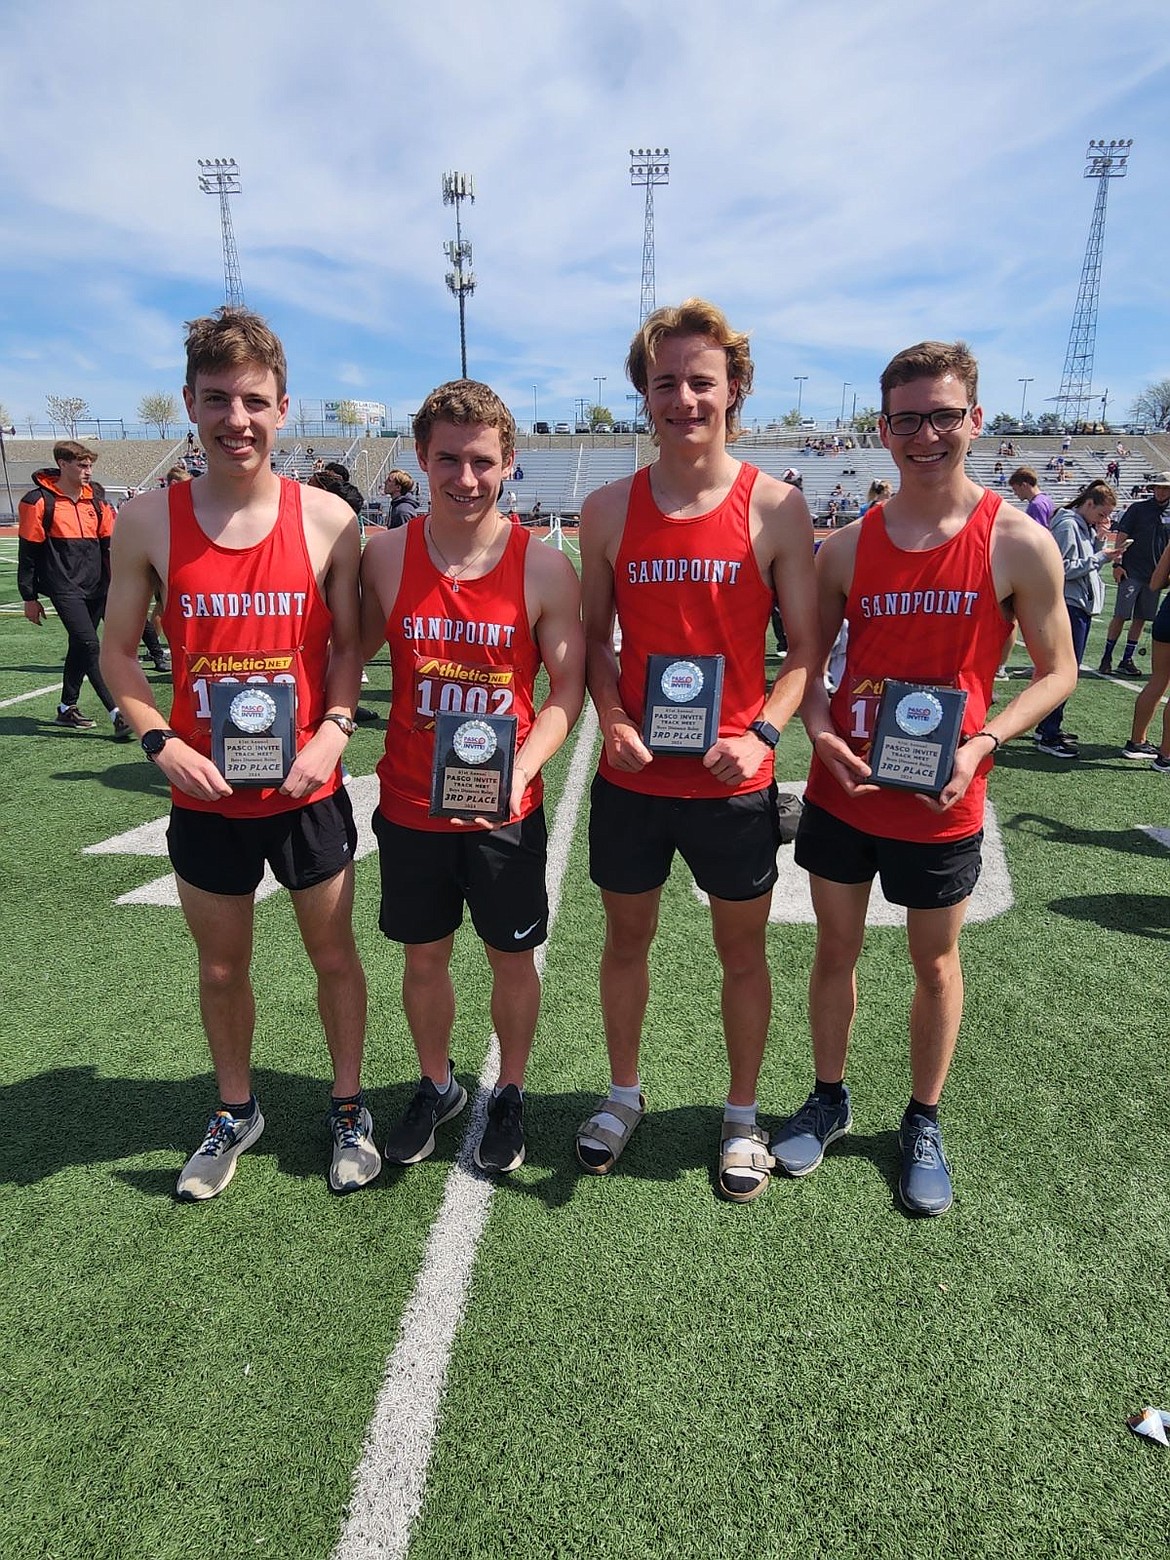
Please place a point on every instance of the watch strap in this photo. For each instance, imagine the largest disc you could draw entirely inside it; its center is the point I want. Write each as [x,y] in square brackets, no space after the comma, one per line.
[766,732]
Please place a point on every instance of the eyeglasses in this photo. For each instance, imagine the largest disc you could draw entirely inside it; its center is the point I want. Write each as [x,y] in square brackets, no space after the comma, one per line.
[944,420]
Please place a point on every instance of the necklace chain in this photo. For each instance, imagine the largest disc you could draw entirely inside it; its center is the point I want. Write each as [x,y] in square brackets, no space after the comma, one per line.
[455,570]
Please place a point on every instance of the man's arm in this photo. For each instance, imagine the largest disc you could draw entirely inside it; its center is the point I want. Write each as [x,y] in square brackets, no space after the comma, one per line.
[1027,568]
[782,538]
[331,531]
[554,606]
[28,552]
[834,574]
[137,566]
[603,517]
[381,575]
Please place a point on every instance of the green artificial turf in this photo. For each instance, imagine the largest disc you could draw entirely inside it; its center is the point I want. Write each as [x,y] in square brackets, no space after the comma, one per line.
[643,1369]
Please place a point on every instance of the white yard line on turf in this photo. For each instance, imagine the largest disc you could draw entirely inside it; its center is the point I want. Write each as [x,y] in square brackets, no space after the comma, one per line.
[391,1477]
[37,693]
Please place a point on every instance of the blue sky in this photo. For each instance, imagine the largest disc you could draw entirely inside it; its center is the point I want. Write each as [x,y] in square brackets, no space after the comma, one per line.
[845,179]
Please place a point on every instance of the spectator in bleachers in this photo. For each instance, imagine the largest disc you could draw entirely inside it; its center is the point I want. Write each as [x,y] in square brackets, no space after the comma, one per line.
[402,492]
[997,474]
[1113,472]
[1025,484]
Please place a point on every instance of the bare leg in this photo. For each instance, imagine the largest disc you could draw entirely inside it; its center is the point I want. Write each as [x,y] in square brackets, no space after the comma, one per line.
[325,916]
[832,987]
[428,999]
[221,925]
[1156,685]
[515,1009]
[739,927]
[631,921]
[937,1008]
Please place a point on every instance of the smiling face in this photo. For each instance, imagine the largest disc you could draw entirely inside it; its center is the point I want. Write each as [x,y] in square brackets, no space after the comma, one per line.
[238,413]
[930,455]
[464,463]
[688,391]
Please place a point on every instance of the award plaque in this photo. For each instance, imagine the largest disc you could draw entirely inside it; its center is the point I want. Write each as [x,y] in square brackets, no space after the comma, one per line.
[917,735]
[471,776]
[253,731]
[683,692]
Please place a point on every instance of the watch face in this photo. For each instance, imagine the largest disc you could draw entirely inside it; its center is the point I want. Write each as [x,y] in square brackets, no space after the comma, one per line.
[154,742]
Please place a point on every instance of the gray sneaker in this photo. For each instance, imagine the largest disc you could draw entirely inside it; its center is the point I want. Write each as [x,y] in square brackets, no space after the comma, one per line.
[413,1138]
[1139,750]
[800,1142]
[356,1161]
[213,1163]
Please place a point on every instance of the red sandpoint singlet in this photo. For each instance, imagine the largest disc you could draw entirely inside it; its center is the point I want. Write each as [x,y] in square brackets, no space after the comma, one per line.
[252,614]
[469,650]
[917,617]
[691,587]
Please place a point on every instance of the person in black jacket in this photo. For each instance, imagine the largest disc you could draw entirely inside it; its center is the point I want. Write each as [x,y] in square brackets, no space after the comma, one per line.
[64,553]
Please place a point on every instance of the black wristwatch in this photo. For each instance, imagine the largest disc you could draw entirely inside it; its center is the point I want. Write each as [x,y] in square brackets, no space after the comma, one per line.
[154,741]
[765,731]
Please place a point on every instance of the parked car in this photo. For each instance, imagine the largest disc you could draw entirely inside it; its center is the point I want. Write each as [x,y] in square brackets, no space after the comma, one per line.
[562,428]
[540,427]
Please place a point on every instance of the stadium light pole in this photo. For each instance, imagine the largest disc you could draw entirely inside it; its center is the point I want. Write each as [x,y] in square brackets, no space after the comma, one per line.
[458,187]
[534,408]
[648,167]
[599,380]
[1024,396]
[800,379]
[221,176]
[844,387]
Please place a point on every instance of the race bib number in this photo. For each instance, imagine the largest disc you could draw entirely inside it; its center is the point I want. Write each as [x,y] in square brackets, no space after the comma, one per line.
[443,686]
[861,712]
[253,666]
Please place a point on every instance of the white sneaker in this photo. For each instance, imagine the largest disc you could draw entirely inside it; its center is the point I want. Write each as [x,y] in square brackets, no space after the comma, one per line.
[213,1163]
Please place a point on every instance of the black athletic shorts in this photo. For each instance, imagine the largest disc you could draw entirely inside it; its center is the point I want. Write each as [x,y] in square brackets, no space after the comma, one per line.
[304,846]
[729,843]
[914,875]
[428,877]
[1161,628]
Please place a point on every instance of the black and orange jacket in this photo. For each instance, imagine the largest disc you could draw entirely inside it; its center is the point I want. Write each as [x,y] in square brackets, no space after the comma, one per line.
[71,554]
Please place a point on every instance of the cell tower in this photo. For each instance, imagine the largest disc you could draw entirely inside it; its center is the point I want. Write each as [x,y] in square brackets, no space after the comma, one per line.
[458,187]
[649,168]
[221,176]
[1105,160]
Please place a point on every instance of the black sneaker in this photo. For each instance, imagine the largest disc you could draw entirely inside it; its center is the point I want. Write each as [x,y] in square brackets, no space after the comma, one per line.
[162,661]
[1126,668]
[1162,765]
[1106,666]
[1058,747]
[123,730]
[1139,750]
[1062,735]
[502,1146]
[925,1183]
[413,1138]
[73,717]
[800,1142]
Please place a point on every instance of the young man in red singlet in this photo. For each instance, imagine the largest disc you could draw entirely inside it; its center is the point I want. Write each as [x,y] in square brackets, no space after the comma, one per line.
[259,585]
[688,555]
[931,581]
[470,606]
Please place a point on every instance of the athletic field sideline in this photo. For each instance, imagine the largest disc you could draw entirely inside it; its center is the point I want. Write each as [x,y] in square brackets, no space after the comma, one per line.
[593,1368]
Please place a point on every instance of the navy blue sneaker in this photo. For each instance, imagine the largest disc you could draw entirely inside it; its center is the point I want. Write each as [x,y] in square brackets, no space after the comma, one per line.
[800,1142]
[925,1183]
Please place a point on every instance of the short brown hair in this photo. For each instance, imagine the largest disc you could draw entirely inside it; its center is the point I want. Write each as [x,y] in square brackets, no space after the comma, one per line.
[693,317]
[402,480]
[229,338]
[465,402]
[1023,474]
[176,474]
[930,360]
[70,450]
